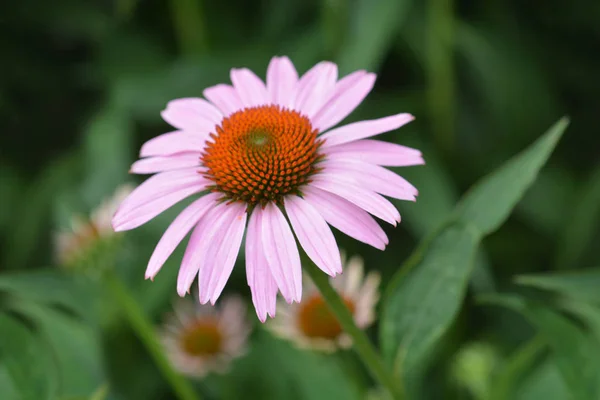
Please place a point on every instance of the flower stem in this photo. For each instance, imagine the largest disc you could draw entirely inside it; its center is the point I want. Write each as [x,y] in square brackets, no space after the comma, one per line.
[364,348]
[145,332]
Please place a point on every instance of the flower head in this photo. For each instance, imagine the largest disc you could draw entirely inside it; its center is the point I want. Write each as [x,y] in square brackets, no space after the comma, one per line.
[311,324]
[74,246]
[266,155]
[200,339]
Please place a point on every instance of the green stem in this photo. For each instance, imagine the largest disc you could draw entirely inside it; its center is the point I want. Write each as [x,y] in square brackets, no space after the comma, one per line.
[190,29]
[440,71]
[145,332]
[364,348]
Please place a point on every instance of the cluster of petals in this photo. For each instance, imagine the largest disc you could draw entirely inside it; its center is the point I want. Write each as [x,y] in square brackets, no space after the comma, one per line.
[347,191]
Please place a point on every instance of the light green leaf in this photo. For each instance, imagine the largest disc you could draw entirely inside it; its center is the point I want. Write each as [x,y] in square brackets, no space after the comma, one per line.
[489,203]
[373,26]
[75,347]
[422,303]
[25,361]
[582,285]
[577,355]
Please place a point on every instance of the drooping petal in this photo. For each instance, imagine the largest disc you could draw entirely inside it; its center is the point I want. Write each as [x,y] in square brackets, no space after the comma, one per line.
[224,97]
[364,129]
[202,237]
[375,152]
[314,88]
[261,282]
[282,79]
[346,217]
[314,235]
[222,253]
[281,252]
[155,195]
[192,115]
[366,199]
[249,87]
[174,142]
[373,177]
[175,233]
[156,164]
[348,93]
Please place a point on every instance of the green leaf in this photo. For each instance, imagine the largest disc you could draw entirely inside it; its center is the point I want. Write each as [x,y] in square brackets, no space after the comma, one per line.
[489,203]
[426,294]
[577,355]
[373,27]
[582,224]
[581,285]
[50,286]
[422,303]
[75,347]
[25,362]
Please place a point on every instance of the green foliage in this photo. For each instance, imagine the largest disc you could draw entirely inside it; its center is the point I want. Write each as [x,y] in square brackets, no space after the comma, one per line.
[82,85]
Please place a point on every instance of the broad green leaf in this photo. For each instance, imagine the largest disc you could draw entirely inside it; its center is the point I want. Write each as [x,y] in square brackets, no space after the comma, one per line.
[582,223]
[75,347]
[577,354]
[426,294]
[25,360]
[424,299]
[50,286]
[373,26]
[583,285]
[489,203]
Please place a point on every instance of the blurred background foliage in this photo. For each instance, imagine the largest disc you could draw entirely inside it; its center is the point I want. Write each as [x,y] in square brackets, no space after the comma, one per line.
[81,87]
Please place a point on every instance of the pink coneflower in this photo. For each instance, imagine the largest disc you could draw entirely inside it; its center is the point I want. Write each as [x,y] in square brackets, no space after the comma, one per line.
[74,245]
[200,339]
[265,152]
[310,323]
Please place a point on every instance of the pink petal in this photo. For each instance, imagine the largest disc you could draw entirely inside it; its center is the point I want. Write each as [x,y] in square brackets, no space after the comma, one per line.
[282,79]
[225,98]
[346,217]
[281,252]
[373,177]
[375,152]
[364,129]
[145,212]
[174,142]
[250,88]
[158,191]
[216,268]
[261,282]
[314,87]
[348,93]
[314,235]
[202,237]
[364,198]
[153,165]
[192,114]
[175,233]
